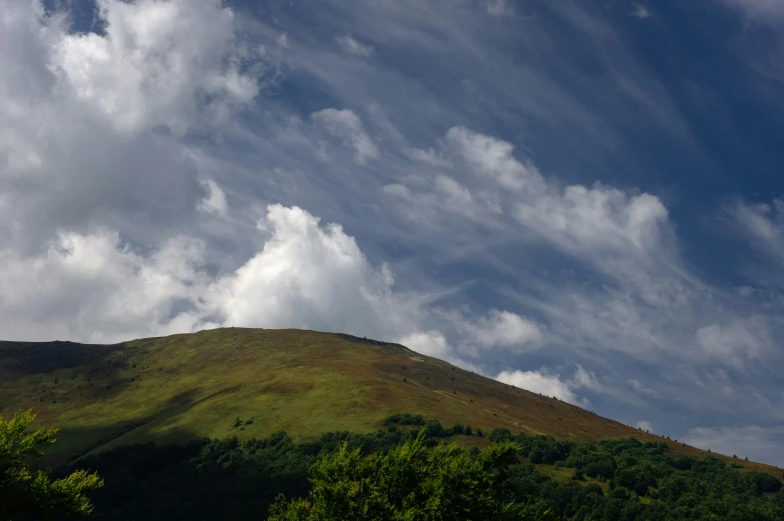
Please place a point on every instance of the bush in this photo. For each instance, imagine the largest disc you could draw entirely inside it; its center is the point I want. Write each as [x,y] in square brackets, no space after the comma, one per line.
[405,419]
[500,434]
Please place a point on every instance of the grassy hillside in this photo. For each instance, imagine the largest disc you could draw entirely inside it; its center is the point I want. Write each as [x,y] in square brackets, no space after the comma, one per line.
[181,387]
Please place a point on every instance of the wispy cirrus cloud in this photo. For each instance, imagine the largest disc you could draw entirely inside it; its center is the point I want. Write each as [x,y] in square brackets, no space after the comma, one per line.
[352,46]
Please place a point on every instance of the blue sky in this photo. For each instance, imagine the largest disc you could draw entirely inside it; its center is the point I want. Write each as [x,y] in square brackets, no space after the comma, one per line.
[577,197]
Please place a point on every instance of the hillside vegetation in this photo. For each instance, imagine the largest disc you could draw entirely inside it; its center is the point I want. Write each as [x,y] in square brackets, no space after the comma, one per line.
[254,382]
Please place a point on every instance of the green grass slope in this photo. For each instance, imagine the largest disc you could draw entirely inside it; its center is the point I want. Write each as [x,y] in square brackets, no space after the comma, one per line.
[181,387]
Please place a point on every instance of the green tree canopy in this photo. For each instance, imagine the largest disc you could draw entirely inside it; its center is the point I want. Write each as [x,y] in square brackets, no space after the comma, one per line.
[33,494]
[408,483]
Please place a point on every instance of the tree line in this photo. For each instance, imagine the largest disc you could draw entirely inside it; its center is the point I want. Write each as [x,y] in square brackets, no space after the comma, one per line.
[406,471]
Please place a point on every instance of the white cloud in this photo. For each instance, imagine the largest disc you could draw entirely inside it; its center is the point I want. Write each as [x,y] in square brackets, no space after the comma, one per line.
[646,302]
[299,276]
[92,287]
[155,60]
[500,329]
[352,46]
[644,425]
[753,441]
[599,218]
[640,11]
[493,157]
[430,343]
[735,342]
[576,218]
[215,200]
[539,383]
[553,385]
[347,126]
[444,200]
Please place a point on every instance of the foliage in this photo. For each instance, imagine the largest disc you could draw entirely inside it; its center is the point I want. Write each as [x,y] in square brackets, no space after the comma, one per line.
[24,493]
[622,479]
[409,482]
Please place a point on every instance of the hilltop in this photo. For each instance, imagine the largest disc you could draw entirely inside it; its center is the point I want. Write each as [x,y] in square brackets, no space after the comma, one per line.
[182,387]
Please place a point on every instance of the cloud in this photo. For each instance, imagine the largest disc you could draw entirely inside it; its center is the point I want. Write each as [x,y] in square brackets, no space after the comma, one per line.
[644,425]
[215,200]
[640,11]
[347,126]
[434,343]
[576,218]
[154,62]
[299,275]
[762,225]
[735,342]
[753,441]
[429,156]
[94,288]
[91,125]
[537,382]
[352,46]
[757,8]
[641,389]
[493,157]
[501,329]
[553,385]
[586,379]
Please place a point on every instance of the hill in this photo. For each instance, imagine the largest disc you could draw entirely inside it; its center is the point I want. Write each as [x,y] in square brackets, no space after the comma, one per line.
[182,387]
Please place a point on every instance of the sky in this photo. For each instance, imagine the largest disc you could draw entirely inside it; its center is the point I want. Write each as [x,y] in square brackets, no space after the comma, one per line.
[582,198]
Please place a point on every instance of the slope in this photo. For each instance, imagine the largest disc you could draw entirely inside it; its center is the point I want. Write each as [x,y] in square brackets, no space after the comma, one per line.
[180,387]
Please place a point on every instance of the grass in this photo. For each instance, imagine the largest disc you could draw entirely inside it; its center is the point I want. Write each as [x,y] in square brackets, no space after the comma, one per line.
[181,387]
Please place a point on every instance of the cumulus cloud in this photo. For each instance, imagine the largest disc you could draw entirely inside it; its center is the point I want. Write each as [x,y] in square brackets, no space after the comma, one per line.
[300,275]
[94,288]
[493,157]
[346,126]
[352,46]
[154,62]
[537,382]
[553,385]
[91,124]
[576,218]
[644,425]
[500,329]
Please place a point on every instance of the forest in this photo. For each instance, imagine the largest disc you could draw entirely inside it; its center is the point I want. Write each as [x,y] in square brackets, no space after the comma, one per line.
[280,479]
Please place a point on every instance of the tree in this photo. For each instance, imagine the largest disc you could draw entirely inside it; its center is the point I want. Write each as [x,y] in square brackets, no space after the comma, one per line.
[410,482]
[32,493]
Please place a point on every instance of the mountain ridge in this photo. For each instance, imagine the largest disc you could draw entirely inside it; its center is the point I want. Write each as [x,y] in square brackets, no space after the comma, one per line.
[185,386]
